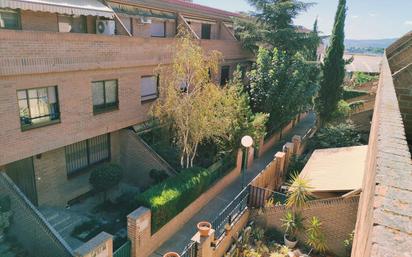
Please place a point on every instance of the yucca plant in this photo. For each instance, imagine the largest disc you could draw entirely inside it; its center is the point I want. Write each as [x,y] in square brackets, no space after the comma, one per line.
[315,238]
[292,223]
[299,193]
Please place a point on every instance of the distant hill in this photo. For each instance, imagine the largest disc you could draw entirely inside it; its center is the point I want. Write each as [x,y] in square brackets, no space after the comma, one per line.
[368,46]
[374,43]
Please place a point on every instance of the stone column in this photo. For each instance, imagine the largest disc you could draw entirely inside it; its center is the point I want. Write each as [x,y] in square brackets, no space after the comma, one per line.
[139,231]
[250,157]
[297,141]
[100,245]
[204,244]
[280,164]
[288,149]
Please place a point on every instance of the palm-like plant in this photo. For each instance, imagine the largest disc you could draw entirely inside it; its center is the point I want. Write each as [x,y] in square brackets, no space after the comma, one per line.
[292,224]
[315,237]
[299,192]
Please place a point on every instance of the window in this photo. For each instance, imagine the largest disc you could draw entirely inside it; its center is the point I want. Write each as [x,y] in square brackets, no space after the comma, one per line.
[86,153]
[158,29]
[9,19]
[38,106]
[105,96]
[224,75]
[75,24]
[149,88]
[206,31]
[127,22]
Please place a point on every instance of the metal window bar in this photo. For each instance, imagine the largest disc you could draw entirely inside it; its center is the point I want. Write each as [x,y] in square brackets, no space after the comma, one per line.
[231,212]
[190,250]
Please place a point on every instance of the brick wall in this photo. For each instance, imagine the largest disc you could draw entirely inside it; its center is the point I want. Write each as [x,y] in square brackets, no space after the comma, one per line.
[338,217]
[53,186]
[136,159]
[383,224]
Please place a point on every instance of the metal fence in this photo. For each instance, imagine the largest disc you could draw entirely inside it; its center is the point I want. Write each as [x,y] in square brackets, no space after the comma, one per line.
[234,209]
[259,197]
[124,251]
[28,227]
[190,250]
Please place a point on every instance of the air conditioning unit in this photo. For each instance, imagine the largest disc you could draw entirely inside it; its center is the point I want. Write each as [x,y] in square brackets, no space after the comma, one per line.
[145,20]
[105,27]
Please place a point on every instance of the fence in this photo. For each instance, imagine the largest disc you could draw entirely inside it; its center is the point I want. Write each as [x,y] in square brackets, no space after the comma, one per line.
[29,227]
[259,197]
[124,250]
[190,250]
[229,214]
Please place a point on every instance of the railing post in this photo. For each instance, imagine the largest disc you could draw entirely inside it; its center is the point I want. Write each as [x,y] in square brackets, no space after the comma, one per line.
[297,141]
[204,244]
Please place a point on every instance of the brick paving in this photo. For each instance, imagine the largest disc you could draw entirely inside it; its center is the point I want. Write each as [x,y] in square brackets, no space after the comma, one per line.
[179,240]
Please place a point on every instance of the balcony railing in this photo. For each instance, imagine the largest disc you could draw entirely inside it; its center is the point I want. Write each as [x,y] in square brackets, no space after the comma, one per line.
[31,52]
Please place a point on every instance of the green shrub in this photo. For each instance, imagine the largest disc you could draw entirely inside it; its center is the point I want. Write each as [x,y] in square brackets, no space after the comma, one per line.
[351,93]
[331,136]
[174,194]
[362,78]
[105,176]
[158,175]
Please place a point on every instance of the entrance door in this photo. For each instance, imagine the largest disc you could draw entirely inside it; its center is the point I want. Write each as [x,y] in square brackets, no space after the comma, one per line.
[22,174]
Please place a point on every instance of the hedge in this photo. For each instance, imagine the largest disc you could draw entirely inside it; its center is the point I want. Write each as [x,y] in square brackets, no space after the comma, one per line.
[349,94]
[174,194]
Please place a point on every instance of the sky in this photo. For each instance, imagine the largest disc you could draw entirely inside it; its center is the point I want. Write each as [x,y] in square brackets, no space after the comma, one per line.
[366,19]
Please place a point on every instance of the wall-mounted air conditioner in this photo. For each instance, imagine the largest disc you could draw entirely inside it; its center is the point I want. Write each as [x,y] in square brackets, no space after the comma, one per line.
[105,27]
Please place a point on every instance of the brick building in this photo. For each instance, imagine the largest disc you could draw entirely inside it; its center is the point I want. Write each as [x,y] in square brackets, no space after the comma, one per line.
[75,74]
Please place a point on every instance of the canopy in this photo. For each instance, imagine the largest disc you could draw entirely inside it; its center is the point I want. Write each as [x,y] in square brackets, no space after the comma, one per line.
[336,169]
[70,7]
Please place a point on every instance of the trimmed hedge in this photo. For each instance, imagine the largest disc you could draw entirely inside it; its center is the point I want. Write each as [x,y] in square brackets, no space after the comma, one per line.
[349,94]
[174,194]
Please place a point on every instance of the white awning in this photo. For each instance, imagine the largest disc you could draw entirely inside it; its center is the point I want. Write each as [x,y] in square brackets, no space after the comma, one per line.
[70,7]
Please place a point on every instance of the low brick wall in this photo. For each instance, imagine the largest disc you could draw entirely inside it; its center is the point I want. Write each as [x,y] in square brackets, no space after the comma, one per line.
[139,229]
[338,217]
[266,145]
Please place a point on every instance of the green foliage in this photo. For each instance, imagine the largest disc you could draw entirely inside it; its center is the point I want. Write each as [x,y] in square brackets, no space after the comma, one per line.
[105,176]
[272,26]
[171,196]
[281,85]
[158,175]
[351,93]
[244,121]
[360,78]
[341,113]
[348,243]
[296,165]
[292,224]
[331,136]
[315,238]
[333,69]
[299,193]
[354,106]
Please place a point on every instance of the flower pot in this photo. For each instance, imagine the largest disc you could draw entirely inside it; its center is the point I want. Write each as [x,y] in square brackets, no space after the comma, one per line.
[204,228]
[171,254]
[290,244]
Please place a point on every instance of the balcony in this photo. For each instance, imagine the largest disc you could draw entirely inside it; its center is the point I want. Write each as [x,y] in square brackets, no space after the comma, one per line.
[29,52]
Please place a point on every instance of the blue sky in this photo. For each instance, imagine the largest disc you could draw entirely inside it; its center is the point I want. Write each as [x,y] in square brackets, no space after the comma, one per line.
[366,19]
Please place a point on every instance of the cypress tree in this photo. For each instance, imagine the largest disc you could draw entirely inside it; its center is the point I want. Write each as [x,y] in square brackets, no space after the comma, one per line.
[333,68]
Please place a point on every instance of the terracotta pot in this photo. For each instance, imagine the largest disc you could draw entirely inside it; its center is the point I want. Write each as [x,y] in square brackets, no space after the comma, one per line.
[171,254]
[204,228]
[290,244]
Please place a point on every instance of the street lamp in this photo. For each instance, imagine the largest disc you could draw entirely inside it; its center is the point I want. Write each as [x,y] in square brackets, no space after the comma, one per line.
[247,141]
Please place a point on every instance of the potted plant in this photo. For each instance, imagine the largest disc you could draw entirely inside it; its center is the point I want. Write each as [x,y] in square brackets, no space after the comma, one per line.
[171,254]
[298,195]
[204,228]
[315,238]
[292,224]
[5,214]
[104,177]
